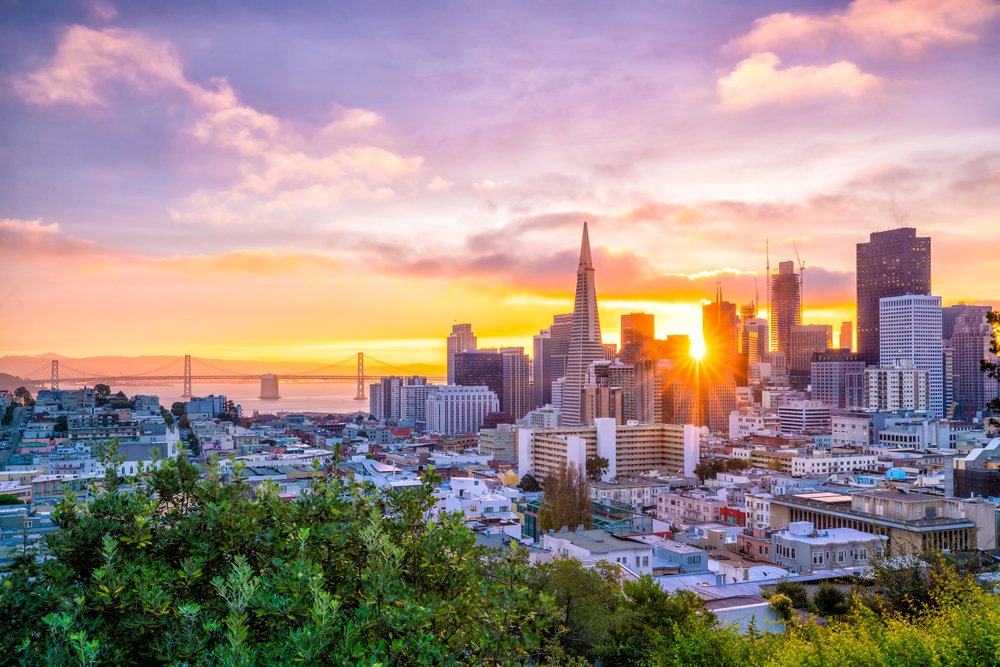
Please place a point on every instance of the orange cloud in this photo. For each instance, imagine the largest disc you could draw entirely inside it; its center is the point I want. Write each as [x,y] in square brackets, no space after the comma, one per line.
[757,81]
[904,27]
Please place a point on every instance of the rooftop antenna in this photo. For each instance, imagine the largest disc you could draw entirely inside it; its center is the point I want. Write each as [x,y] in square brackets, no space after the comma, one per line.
[802,281]
[767,250]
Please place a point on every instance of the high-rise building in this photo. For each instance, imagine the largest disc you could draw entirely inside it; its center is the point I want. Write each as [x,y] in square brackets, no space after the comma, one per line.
[720,329]
[846,341]
[970,341]
[900,386]
[806,339]
[480,368]
[456,410]
[910,330]
[387,397]
[414,402]
[541,386]
[838,378]
[754,339]
[893,263]
[460,340]
[637,336]
[516,386]
[786,306]
[610,351]
[950,314]
[585,342]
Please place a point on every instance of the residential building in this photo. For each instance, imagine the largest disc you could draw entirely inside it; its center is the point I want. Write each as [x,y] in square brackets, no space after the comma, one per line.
[630,449]
[846,341]
[975,475]
[804,417]
[892,263]
[801,548]
[456,410]
[900,387]
[591,546]
[837,378]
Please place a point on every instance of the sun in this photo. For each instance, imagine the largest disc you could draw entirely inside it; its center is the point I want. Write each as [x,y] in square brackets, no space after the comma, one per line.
[698,348]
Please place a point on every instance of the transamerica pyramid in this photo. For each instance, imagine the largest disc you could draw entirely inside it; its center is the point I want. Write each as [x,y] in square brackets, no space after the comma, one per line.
[585,342]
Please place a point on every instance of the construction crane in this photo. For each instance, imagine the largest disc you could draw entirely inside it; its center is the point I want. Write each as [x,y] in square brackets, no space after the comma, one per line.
[802,280]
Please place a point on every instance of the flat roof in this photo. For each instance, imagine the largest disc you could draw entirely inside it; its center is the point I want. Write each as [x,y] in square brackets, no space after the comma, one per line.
[597,541]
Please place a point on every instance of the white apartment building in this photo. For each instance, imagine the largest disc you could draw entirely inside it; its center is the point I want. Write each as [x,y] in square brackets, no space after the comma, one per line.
[456,410]
[743,424]
[631,449]
[852,430]
[413,398]
[804,417]
[823,463]
[591,546]
[910,329]
[900,386]
[758,506]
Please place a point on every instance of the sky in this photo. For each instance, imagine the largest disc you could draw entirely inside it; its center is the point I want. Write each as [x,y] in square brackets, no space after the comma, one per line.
[299,181]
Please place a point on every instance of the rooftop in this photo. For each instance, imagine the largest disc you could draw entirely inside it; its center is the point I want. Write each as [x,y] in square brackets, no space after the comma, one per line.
[597,541]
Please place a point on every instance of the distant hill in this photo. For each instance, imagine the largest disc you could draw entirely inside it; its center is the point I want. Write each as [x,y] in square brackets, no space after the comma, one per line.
[12,382]
[37,366]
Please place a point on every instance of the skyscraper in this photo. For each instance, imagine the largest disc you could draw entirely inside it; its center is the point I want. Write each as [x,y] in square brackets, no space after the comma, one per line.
[970,340]
[754,339]
[637,335]
[480,368]
[846,336]
[541,359]
[585,342]
[806,339]
[910,331]
[892,263]
[460,340]
[514,401]
[720,329]
[786,304]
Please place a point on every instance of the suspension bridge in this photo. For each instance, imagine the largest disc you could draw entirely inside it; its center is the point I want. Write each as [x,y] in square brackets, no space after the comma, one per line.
[350,368]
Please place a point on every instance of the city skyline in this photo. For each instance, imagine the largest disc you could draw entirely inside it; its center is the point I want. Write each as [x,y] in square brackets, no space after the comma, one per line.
[171,186]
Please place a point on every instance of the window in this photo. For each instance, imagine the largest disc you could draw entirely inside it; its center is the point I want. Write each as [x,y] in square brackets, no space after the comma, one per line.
[841,556]
[645,561]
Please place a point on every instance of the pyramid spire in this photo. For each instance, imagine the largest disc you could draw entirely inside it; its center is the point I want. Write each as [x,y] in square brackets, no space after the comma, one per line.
[585,258]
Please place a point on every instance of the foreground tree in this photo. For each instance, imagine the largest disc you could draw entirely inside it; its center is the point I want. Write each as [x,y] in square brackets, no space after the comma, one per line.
[192,569]
[991,367]
[566,502]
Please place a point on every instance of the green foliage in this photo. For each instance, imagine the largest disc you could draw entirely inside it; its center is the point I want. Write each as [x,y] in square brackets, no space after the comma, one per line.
[783,605]
[710,468]
[991,367]
[7,499]
[23,396]
[62,424]
[8,414]
[596,467]
[566,502]
[179,409]
[184,568]
[830,601]
[529,484]
[585,601]
[102,391]
[168,417]
[796,592]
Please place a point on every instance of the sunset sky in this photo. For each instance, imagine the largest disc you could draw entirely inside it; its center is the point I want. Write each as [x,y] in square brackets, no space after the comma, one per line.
[302,180]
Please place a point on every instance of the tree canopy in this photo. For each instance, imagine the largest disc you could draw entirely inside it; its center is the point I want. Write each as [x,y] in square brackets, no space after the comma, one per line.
[566,501]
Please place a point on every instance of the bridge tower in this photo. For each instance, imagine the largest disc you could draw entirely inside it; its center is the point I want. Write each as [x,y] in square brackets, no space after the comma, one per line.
[360,396]
[55,373]
[187,377]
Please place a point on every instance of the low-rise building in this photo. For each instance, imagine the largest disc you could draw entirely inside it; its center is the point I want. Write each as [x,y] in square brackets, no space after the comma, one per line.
[802,548]
[591,546]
